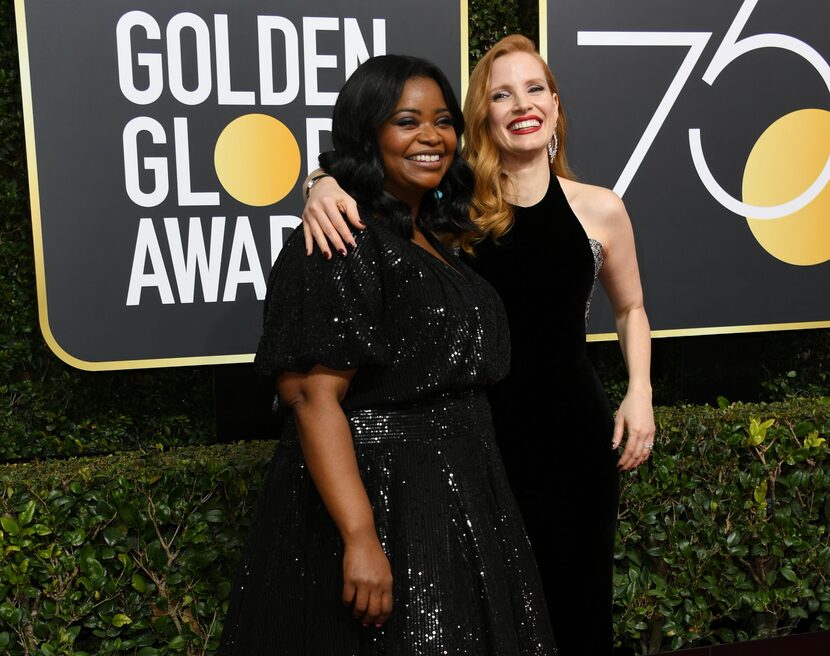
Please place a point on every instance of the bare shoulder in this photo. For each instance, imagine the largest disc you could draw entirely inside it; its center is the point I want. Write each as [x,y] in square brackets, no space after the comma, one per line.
[596,207]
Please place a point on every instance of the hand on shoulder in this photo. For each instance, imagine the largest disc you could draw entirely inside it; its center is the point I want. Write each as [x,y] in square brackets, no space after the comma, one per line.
[324,216]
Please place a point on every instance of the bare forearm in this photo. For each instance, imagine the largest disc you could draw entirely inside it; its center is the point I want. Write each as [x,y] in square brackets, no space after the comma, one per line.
[635,341]
[328,449]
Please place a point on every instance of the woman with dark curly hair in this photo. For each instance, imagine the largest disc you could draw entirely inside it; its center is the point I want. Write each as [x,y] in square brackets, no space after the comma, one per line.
[386,525]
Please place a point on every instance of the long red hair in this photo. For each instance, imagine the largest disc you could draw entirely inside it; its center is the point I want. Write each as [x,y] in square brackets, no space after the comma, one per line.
[489,209]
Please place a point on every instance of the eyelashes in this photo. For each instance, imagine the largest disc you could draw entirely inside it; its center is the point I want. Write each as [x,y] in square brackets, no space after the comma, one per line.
[533,89]
[444,121]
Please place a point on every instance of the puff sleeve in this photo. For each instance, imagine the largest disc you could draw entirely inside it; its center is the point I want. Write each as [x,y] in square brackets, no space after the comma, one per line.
[323,312]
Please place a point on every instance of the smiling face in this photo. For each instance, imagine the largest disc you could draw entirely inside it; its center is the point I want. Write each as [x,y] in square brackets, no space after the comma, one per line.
[523,111]
[417,142]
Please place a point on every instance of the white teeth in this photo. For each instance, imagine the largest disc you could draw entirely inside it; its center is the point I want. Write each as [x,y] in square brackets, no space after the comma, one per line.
[521,125]
[425,158]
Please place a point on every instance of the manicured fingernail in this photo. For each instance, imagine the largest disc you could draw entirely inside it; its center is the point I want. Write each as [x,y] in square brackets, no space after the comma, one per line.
[353,244]
[377,626]
[342,251]
[328,255]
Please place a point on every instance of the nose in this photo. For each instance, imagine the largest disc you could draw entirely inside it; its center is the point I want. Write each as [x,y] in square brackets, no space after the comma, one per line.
[521,102]
[429,135]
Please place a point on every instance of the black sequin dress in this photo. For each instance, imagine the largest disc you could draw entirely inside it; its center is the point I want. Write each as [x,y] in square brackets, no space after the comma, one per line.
[426,338]
[553,421]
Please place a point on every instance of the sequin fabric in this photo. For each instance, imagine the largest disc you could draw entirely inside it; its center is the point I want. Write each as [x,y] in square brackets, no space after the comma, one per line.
[426,337]
[596,250]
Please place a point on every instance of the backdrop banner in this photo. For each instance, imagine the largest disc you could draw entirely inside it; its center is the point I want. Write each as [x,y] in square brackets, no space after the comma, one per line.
[166,145]
[711,120]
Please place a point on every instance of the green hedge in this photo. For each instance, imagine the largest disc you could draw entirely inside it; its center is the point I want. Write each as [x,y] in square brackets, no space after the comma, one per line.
[490,20]
[724,536]
[125,554]
[72,412]
[721,538]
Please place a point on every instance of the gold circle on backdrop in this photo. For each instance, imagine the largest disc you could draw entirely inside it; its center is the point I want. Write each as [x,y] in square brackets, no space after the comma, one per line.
[257,159]
[785,161]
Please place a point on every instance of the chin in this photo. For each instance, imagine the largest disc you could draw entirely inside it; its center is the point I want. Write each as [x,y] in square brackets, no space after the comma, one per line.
[529,150]
[430,183]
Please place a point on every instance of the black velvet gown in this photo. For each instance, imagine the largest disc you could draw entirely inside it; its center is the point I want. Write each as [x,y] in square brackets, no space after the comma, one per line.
[426,339]
[553,421]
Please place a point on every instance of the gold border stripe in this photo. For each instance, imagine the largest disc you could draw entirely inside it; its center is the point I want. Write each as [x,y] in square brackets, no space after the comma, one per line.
[543,29]
[719,330]
[465,50]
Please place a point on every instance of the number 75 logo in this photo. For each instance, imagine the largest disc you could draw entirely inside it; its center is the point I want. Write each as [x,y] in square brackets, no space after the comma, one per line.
[810,242]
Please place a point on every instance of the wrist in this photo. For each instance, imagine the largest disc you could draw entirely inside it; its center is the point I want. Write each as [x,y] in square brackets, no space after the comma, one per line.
[307,187]
[359,534]
[640,388]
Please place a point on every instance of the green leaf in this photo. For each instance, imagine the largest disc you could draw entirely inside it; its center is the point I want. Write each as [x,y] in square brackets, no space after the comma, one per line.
[760,493]
[10,525]
[8,612]
[157,556]
[93,569]
[803,427]
[120,620]
[789,574]
[25,515]
[177,643]
[139,584]
[813,441]
[148,651]
[215,516]
[77,537]
[128,514]
[112,535]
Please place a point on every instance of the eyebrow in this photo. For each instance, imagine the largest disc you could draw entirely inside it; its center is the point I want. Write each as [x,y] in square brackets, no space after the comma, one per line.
[418,111]
[534,80]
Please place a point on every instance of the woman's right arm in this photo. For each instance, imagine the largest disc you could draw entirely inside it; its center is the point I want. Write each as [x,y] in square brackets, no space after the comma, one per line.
[323,221]
[326,442]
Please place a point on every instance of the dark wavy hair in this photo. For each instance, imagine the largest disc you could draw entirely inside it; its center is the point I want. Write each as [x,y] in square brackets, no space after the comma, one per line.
[366,101]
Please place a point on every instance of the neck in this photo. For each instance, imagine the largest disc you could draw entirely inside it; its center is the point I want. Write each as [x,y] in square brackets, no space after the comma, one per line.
[413,200]
[529,179]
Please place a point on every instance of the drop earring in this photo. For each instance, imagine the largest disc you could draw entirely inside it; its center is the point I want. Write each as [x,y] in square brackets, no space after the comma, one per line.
[553,146]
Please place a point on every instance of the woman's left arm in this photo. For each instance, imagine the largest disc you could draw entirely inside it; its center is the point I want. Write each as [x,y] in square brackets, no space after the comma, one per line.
[620,277]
